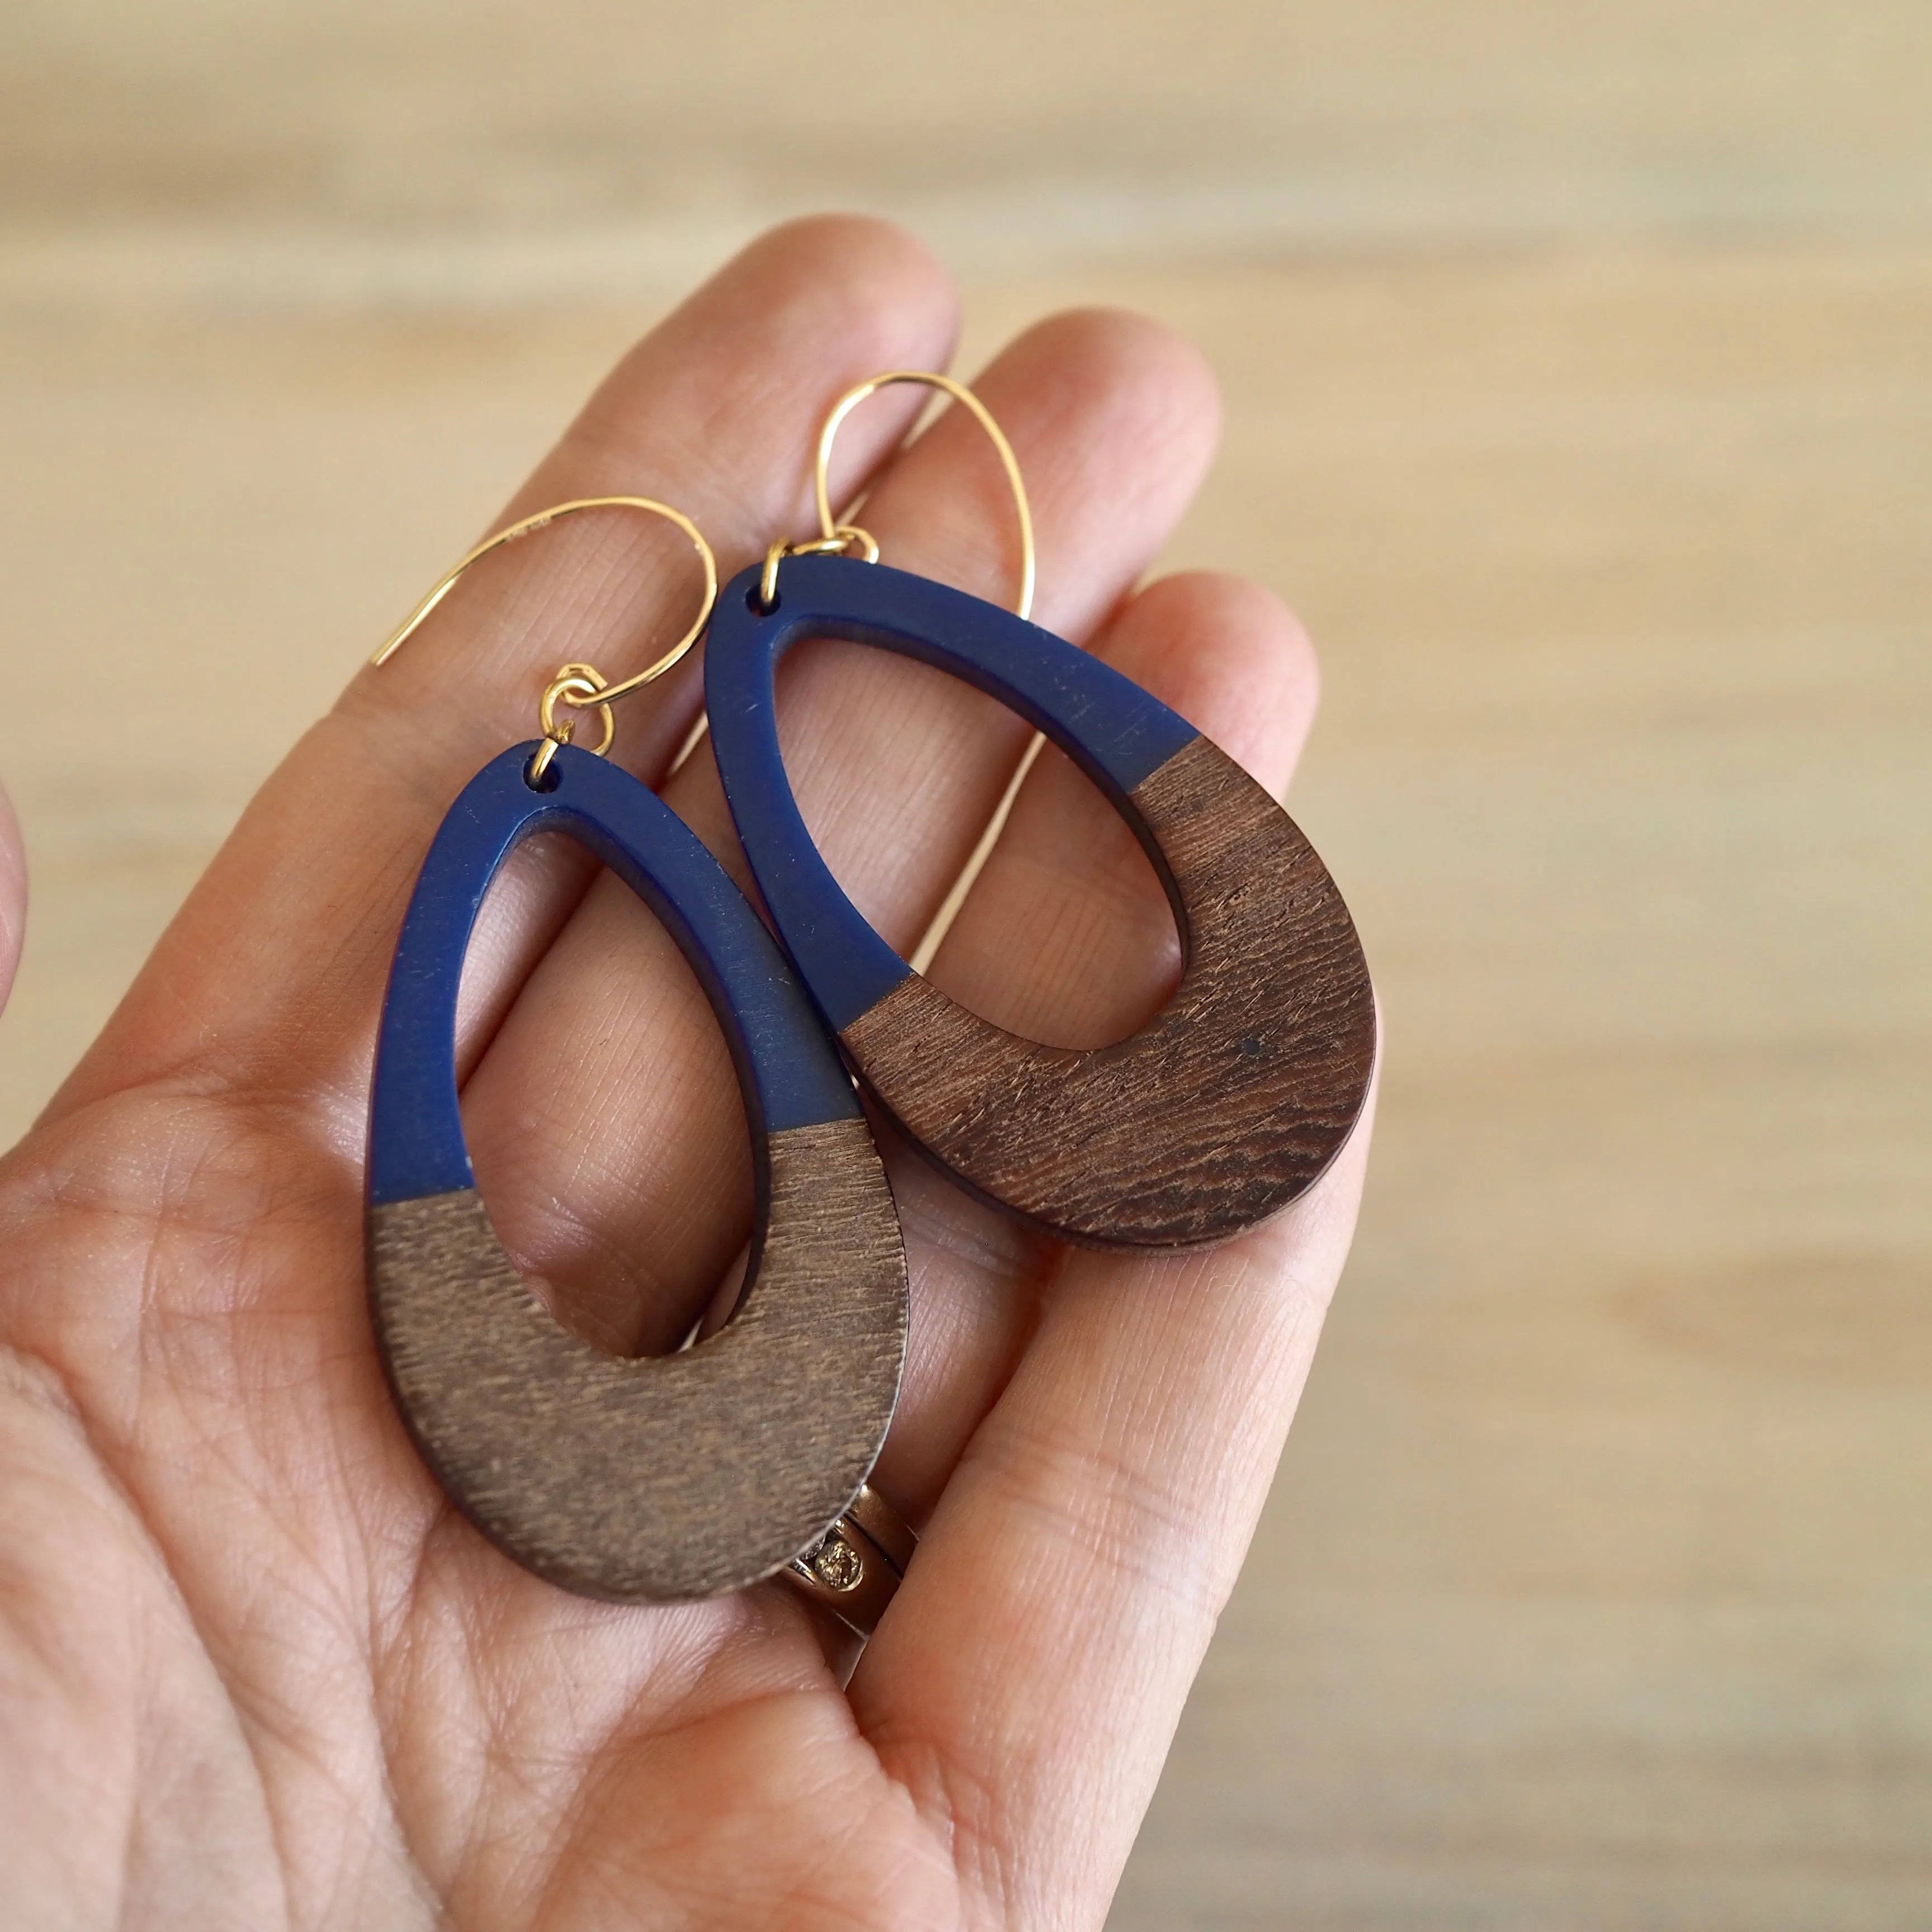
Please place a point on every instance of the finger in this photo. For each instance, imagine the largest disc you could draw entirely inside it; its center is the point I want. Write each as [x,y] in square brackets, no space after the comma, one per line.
[631,1194]
[1067,936]
[1082,1547]
[13,897]
[270,976]
[1026,1682]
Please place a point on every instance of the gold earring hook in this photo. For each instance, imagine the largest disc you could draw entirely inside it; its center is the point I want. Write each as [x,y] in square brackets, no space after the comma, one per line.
[581,686]
[834,536]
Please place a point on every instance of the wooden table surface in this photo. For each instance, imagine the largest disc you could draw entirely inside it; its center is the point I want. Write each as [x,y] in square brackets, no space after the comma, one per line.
[1579,383]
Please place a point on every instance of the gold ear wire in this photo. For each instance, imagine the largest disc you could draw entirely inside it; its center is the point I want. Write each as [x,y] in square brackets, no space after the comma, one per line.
[581,686]
[834,536]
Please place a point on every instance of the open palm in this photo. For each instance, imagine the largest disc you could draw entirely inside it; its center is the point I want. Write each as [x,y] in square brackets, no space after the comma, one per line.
[254,1670]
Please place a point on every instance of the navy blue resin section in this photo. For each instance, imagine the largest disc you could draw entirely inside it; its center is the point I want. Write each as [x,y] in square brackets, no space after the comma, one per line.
[1111,728]
[790,1071]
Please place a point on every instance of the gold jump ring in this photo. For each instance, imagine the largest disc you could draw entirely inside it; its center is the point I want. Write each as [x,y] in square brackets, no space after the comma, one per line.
[846,536]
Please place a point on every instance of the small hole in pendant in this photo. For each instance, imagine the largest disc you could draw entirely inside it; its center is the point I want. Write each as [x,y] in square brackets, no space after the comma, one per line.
[548,779]
[758,606]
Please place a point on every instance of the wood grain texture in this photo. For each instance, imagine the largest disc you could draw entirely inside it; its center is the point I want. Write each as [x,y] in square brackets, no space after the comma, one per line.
[1220,1110]
[673,1476]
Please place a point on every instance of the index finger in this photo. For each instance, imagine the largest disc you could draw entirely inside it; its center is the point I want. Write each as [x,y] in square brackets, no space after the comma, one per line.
[271,975]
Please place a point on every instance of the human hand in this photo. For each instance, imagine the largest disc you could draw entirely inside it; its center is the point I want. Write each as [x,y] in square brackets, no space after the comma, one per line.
[254,1670]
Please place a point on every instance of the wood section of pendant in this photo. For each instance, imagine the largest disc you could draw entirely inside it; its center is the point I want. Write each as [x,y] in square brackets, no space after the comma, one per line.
[1226,1107]
[673,1476]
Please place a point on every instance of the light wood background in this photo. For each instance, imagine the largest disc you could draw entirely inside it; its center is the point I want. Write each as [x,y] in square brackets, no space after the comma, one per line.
[1579,367]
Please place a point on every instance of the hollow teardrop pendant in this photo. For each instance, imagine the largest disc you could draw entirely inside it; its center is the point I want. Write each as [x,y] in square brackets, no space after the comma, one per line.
[662,1478]
[1220,1112]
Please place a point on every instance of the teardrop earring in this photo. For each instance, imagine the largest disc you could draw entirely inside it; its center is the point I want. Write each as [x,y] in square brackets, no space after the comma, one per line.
[1235,1097]
[747,1454]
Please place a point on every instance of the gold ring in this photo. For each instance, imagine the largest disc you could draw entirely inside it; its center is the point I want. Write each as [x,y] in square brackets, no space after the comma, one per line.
[856,1568]
[846,537]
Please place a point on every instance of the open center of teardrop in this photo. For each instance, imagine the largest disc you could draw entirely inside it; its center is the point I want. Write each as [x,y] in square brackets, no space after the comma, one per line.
[1066,935]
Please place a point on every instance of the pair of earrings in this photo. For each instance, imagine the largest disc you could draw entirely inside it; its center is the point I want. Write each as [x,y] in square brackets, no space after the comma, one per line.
[747,1454]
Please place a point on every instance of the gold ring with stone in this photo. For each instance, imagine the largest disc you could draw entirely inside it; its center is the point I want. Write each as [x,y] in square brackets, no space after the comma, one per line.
[856,1568]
